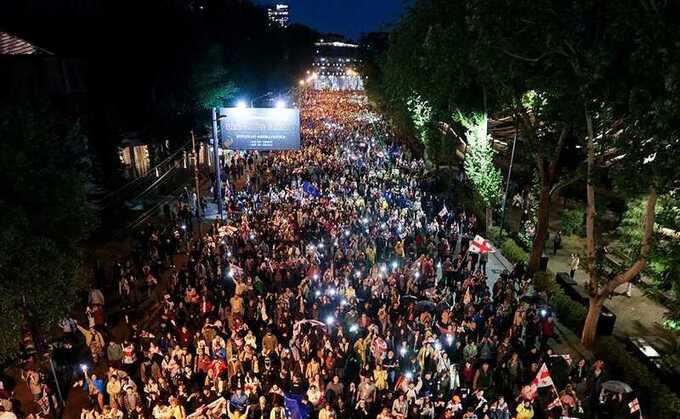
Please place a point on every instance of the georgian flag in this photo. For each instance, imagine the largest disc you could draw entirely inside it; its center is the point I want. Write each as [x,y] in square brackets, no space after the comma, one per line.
[555,403]
[542,379]
[481,245]
[634,405]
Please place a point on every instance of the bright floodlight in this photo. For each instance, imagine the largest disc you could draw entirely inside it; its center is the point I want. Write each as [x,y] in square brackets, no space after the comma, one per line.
[280,103]
[241,104]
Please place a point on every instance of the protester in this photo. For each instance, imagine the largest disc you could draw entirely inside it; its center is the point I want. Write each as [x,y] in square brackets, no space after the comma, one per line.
[337,287]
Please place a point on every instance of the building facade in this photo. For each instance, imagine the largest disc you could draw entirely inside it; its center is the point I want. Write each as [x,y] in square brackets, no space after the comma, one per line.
[279,15]
[335,64]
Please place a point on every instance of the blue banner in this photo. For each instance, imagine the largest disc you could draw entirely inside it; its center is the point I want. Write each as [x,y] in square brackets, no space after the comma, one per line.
[309,189]
[294,407]
[259,128]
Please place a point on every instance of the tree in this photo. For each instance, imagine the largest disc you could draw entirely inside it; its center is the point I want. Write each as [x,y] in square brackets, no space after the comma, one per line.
[211,84]
[479,167]
[469,57]
[630,123]
[44,217]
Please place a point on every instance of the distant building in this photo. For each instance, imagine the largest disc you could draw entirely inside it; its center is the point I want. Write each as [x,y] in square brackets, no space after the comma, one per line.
[279,15]
[336,63]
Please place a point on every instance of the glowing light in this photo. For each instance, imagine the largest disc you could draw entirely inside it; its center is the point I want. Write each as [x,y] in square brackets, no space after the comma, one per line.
[320,245]
[241,104]
[317,293]
[346,233]
[383,268]
[439,265]
[230,274]
[83,367]
[330,320]
[383,226]
[252,236]
[409,375]
[302,82]
[417,275]
[354,328]
[332,291]
[543,312]
[437,346]
[364,220]
[357,274]
[228,254]
[280,104]
[449,339]
[343,302]
[395,265]
[316,276]
[184,226]
[403,350]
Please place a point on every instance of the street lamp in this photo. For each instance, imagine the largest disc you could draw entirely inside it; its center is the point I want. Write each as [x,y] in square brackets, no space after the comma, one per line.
[280,103]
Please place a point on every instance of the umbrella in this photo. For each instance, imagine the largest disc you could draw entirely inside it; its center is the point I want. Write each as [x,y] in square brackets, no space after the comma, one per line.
[425,305]
[617,386]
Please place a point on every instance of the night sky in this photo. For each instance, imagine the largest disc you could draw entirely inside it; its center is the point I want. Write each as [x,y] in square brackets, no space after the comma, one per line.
[347,17]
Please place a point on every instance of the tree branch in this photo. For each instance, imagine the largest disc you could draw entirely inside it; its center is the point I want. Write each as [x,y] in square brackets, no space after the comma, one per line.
[531,60]
[645,248]
[556,154]
[568,181]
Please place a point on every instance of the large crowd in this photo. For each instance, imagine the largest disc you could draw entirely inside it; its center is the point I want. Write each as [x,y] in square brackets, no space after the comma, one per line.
[336,287]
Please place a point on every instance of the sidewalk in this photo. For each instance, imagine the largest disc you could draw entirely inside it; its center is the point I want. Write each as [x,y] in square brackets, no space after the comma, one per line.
[636,316]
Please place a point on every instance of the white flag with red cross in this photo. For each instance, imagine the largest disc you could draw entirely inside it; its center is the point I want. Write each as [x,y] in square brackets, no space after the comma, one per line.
[555,403]
[542,379]
[481,245]
[634,405]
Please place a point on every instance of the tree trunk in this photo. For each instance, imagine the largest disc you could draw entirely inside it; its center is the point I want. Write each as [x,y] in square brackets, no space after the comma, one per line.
[489,220]
[541,233]
[590,325]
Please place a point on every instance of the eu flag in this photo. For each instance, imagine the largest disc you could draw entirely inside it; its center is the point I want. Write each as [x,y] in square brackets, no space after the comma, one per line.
[294,408]
[309,189]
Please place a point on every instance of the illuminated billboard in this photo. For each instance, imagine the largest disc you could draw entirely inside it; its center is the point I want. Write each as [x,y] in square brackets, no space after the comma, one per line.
[260,128]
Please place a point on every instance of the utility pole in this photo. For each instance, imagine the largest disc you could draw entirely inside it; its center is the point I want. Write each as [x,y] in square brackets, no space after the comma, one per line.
[194,157]
[218,175]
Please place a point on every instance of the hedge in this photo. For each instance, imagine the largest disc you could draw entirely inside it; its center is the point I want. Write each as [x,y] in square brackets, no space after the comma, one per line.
[572,221]
[659,400]
[571,313]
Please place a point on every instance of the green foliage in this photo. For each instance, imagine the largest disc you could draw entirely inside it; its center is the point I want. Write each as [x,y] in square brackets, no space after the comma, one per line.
[572,221]
[421,116]
[513,252]
[570,314]
[664,260]
[211,83]
[479,167]
[44,217]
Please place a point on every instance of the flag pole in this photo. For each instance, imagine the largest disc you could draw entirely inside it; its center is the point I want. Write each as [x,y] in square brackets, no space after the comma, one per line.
[558,394]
